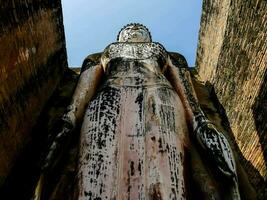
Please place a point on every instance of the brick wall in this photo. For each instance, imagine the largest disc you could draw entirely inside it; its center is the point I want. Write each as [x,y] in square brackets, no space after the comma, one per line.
[32,60]
[232,55]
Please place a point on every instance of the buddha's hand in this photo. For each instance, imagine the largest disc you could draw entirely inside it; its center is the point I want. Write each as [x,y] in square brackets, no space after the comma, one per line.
[216,146]
[59,142]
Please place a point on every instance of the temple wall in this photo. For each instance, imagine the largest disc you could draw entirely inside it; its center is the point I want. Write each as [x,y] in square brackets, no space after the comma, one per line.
[32,61]
[232,55]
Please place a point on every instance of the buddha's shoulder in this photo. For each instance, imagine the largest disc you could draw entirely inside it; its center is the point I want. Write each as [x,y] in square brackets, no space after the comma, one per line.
[90,60]
[179,59]
[93,57]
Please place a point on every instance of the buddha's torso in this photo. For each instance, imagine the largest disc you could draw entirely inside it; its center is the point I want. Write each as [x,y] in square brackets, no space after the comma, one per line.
[135,64]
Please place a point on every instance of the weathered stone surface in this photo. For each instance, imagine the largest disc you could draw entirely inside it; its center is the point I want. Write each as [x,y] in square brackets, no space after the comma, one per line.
[60,182]
[32,59]
[23,177]
[216,114]
[232,55]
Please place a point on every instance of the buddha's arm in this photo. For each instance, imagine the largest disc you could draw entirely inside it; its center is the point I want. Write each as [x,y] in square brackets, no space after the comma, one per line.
[213,141]
[89,80]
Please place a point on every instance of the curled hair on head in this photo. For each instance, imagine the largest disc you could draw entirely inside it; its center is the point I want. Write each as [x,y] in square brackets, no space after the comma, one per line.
[134,24]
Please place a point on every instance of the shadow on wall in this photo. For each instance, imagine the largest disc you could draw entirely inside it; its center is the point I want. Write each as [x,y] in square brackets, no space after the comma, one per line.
[260,118]
[32,61]
[246,167]
[22,180]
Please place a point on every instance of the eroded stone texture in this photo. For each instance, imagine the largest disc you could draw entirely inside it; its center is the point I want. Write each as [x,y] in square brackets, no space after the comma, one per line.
[62,182]
[132,137]
[32,59]
[232,55]
[214,16]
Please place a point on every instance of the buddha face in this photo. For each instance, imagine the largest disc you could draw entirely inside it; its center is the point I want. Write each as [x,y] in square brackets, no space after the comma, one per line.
[134,33]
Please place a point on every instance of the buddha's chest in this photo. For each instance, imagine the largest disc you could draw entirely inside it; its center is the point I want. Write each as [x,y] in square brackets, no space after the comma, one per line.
[144,54]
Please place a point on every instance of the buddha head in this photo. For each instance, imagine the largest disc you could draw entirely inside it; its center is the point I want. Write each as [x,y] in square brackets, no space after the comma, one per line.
[134,32]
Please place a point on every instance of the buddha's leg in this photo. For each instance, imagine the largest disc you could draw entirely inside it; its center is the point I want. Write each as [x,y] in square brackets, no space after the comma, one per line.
[165,140]
[131,151]
[151,145]
[98,148]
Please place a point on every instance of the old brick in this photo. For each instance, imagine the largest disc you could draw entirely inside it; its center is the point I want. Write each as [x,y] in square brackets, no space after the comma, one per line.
[232,55]
[32,61]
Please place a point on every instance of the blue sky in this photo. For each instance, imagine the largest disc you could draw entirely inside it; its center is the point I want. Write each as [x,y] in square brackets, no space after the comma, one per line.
[90,25]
